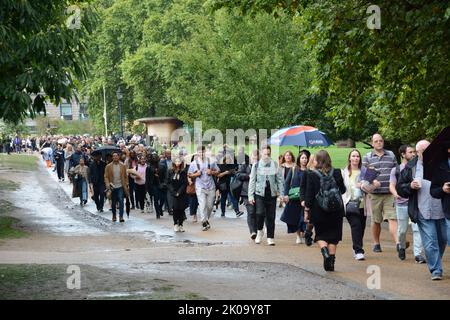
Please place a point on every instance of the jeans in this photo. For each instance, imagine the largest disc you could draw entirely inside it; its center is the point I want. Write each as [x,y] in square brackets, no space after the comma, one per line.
[223,201]
[193,204]
[402,228]
[265,212]
[158,200]
[448,231]
[205,203]
[251,216]
[434,239]
[357,226]
[117,196]
[84,190]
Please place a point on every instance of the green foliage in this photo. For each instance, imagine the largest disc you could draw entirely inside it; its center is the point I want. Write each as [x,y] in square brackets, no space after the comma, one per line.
[394,79]
[40,54]
[253,69]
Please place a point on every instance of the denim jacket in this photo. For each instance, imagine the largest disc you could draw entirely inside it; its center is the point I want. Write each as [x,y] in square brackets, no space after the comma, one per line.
[258,175]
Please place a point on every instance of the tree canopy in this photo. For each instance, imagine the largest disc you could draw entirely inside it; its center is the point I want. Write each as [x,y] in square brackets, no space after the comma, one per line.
[43,53]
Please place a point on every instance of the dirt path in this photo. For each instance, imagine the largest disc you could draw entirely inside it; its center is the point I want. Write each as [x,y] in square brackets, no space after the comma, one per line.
[222,263]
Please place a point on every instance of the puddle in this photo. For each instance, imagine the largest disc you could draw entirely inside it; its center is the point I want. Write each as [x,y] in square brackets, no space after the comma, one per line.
[117,294]
[37,204]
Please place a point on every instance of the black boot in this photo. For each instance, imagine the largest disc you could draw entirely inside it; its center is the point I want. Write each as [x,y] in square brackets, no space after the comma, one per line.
[332,260]
[326,258]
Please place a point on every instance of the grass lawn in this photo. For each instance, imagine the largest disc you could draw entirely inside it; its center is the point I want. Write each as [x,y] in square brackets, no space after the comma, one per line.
[18,161]
[8,230]
[339,156]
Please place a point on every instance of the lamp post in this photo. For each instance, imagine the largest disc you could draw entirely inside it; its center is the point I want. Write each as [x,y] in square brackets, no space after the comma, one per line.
[119,99]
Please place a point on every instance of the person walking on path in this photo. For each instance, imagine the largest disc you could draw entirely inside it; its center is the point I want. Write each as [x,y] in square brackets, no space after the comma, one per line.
[244,176]
[265,186]
[131,162]
[354,202]
[156,184]
[440,187]
[60,158]
[177,184]
[80,179]
[323,196]
[203,169]
[97,181]
[139,182]
[116,180]
[425,210]
[309,226]
[407,153]
[67,158]
[382,201]
[227,171]
[293,214]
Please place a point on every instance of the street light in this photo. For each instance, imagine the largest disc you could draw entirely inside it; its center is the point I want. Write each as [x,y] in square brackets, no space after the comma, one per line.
[119,99]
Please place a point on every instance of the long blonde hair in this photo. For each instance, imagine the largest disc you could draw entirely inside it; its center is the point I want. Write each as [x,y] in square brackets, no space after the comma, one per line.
[310,165]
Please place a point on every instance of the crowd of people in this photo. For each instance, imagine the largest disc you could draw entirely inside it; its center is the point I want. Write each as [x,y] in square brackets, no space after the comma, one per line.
[315,195]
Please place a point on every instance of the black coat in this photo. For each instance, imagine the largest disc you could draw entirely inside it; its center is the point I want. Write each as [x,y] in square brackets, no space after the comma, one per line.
[441,175]
[404,190]
[318,215]
[97,173]
[153,182]
[178,186]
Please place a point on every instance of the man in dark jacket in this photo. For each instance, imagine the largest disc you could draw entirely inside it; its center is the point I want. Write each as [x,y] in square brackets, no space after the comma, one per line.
[425,210]
[75,159]
[440,187]
[97,182]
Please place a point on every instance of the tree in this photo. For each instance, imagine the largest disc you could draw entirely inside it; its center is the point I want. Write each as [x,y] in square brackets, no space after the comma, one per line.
[239,72]
[41,55]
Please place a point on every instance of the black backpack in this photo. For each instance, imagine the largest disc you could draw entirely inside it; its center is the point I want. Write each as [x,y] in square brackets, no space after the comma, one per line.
[329,197]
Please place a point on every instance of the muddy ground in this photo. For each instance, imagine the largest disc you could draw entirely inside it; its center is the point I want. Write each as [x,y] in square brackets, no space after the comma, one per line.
[144,259]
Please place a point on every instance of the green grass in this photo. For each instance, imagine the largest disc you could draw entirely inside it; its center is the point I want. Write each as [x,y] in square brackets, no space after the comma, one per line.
[8,185]
[338,156]
[18,161]
[7,229]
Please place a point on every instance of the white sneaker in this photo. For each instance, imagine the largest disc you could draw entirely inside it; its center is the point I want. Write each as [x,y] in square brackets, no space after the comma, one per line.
[259,236]
[181,229]
[176,228]
[359,256]
[270,242]
[299,240]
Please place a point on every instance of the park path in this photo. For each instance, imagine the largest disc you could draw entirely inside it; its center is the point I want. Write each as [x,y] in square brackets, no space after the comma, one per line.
[222,263]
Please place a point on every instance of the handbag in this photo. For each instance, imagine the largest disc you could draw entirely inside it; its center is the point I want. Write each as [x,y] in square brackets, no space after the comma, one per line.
[294,193]
[236,188]
[353,206]
[190,189]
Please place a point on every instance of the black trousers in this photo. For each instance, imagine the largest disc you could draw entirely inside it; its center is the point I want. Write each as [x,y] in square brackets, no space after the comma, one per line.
[60,169]
[140,195]
[265,212]
[99,196]
[178,216]
[358,226]
[251,215]
[132,188]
